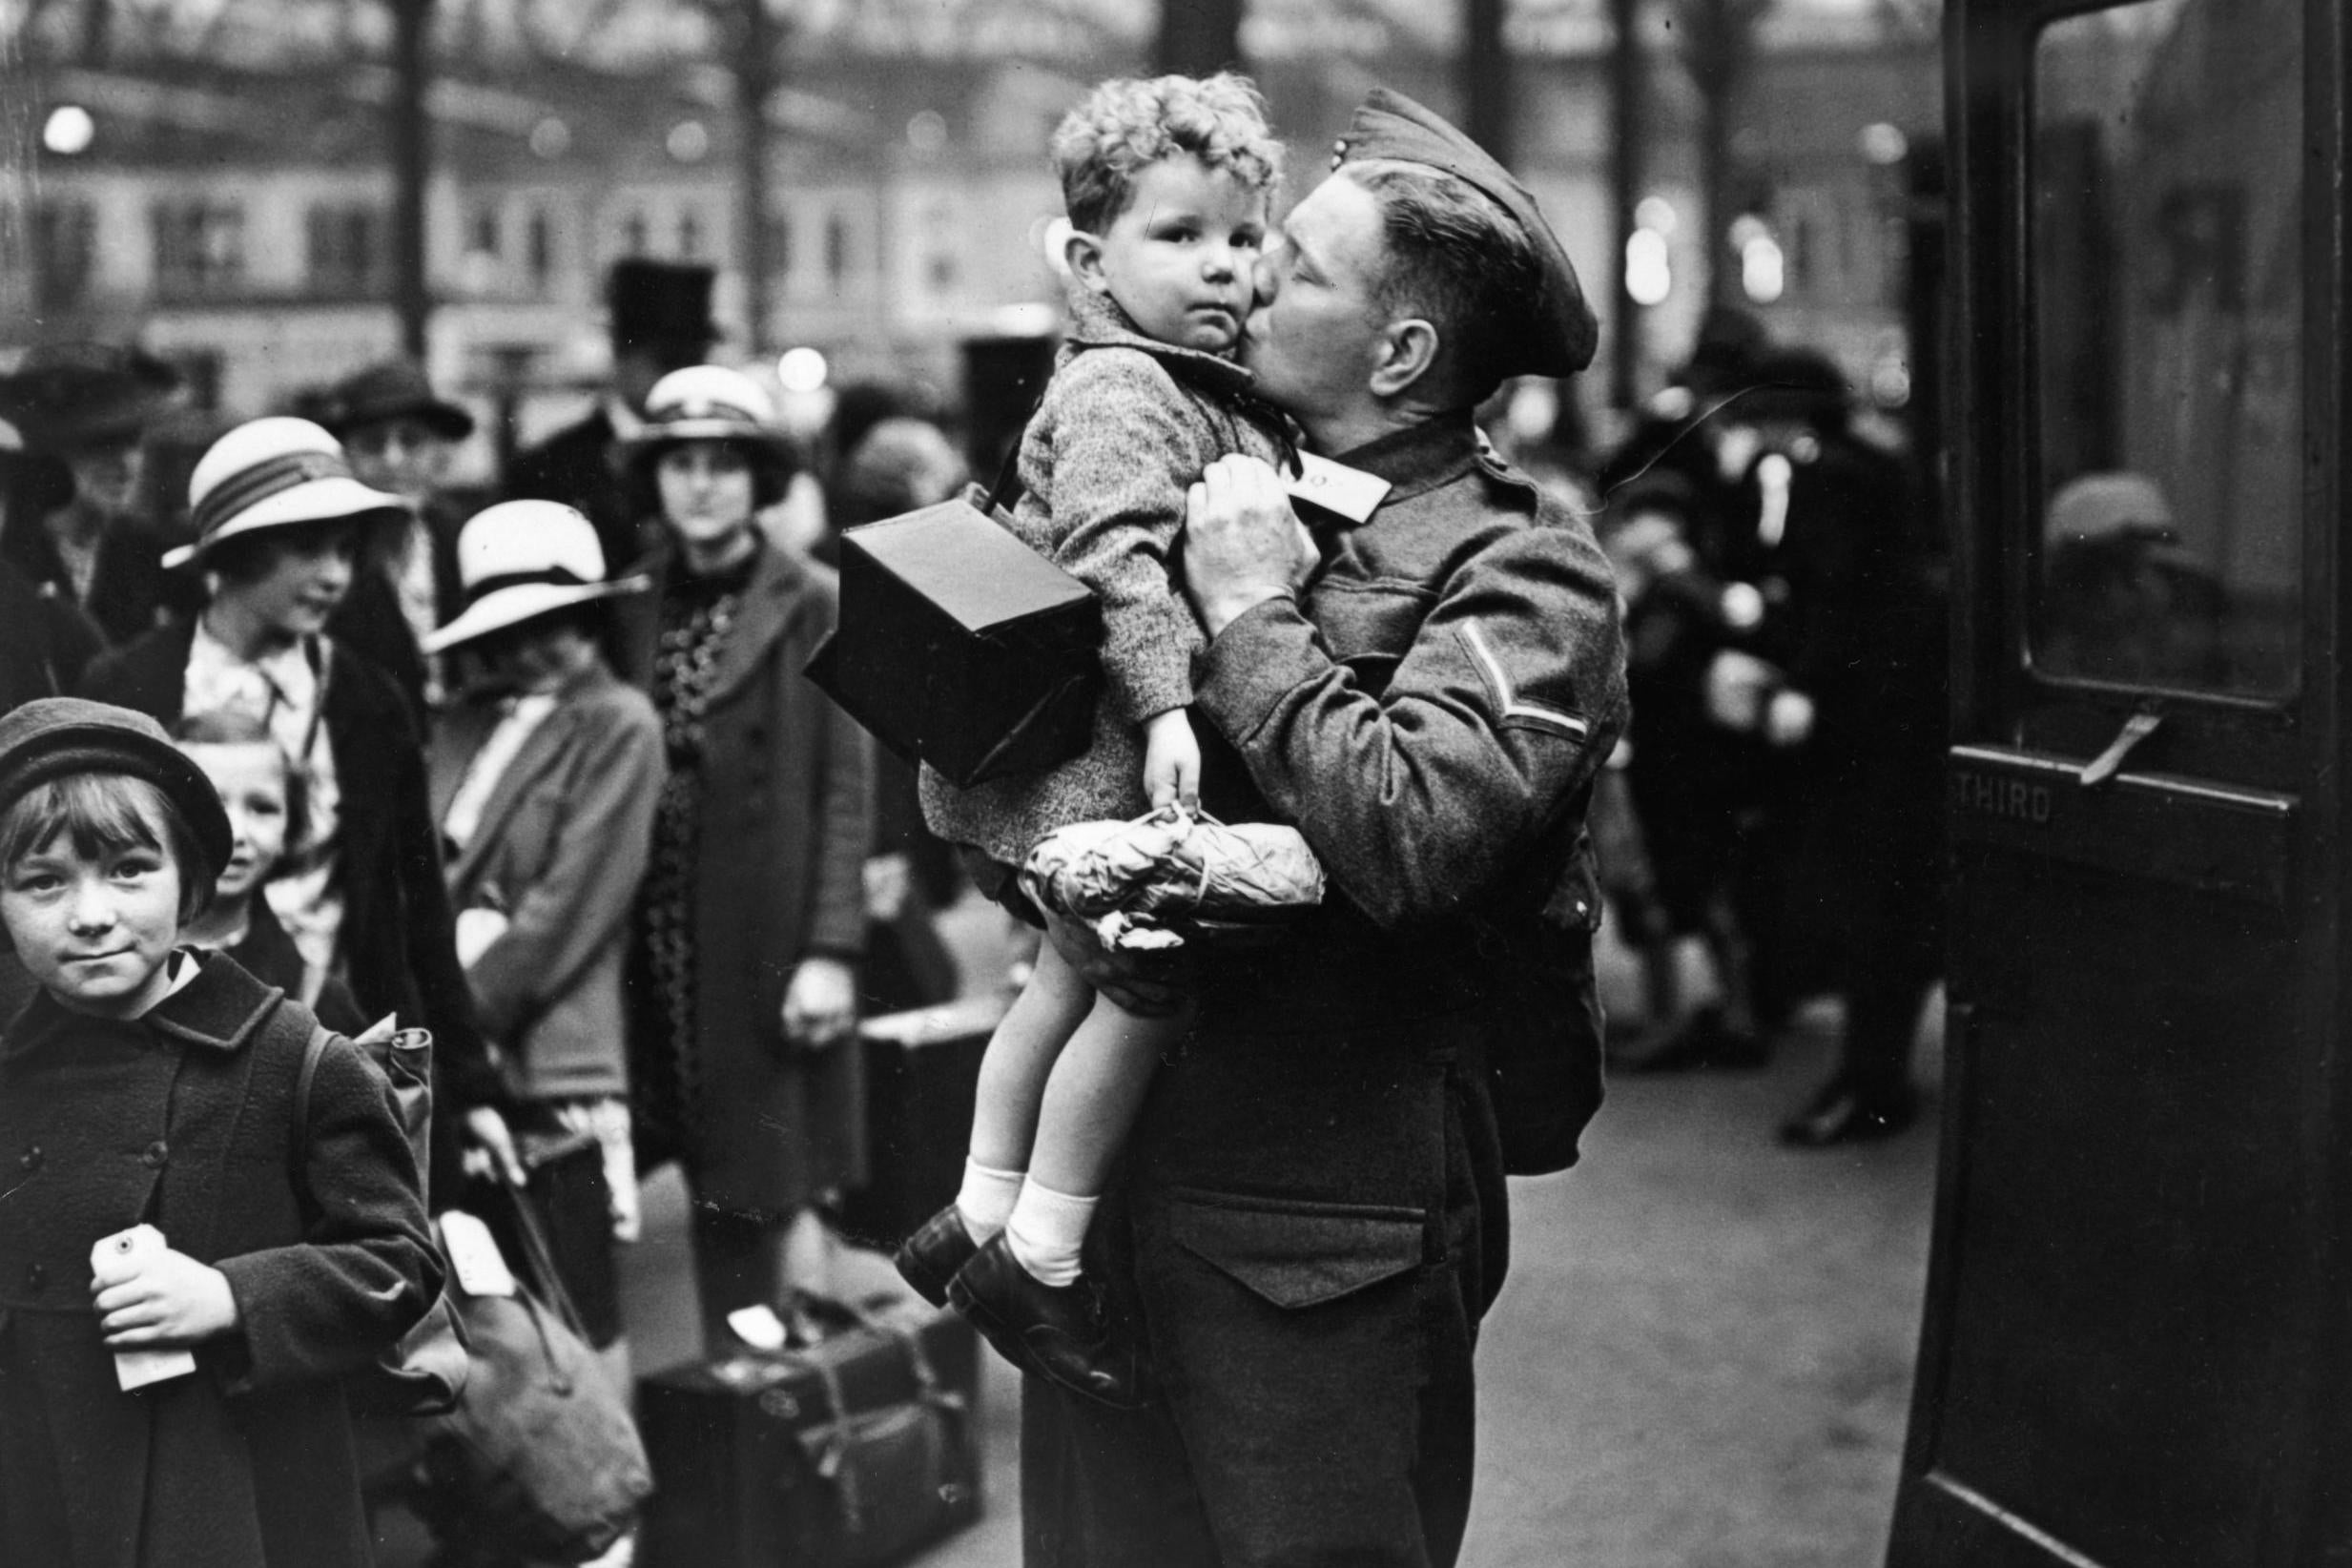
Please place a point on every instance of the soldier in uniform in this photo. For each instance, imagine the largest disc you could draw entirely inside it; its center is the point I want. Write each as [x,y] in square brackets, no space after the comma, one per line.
[1312,1220]
[660,318]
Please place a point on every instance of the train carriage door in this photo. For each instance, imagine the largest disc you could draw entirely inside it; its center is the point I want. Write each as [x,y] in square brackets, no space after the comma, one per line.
[2136,1324]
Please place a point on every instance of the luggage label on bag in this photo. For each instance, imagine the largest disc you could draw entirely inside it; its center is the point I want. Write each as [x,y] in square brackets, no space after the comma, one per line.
[474,1257]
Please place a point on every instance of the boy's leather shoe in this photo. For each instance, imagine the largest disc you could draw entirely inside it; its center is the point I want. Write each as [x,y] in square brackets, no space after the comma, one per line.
[931,1257]
[1063,1333]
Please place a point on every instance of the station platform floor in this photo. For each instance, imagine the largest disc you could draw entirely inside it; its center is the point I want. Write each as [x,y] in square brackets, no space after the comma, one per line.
[1703,1356]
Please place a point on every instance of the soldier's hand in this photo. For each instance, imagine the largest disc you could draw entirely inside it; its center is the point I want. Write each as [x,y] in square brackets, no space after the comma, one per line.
[1146,985]
[1243,542]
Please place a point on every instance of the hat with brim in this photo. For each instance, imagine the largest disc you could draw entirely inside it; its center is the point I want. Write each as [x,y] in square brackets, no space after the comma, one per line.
[54,737]
[62,397]
[392,390]
[520,560]
[274,473]
[711,402]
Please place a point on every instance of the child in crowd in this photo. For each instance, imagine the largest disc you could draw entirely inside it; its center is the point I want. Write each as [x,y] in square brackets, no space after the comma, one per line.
[544,774]
[1167,183]
[261,792]
[173,1327]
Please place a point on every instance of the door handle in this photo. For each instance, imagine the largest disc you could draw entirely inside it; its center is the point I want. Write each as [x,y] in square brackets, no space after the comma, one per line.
[2104,766]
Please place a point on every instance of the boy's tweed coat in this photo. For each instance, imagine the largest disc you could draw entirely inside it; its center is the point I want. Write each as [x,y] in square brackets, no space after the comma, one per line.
[1127,425]
[320,1231]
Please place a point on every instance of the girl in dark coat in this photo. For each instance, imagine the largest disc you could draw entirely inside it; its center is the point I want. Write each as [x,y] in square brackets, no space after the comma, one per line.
[173,1327]
[743,996]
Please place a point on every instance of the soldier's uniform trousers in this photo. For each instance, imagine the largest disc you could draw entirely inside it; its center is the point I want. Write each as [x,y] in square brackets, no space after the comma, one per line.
[1311,1225]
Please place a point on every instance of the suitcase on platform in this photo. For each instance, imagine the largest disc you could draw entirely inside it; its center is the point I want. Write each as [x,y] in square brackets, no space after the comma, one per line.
[923,1068]
[852,1453]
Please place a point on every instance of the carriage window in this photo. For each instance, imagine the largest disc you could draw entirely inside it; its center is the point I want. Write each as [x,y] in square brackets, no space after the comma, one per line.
[2167,190]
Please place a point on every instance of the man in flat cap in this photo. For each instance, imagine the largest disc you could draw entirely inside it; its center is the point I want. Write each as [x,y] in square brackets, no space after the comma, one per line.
[1424,677]
[660,321]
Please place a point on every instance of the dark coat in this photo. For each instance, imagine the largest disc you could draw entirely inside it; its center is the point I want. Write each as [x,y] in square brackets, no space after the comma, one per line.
[787,804]
[45,642]
[397,940]
[560,850]
[370,620]
[250,1461]
[580,465]
[130,592]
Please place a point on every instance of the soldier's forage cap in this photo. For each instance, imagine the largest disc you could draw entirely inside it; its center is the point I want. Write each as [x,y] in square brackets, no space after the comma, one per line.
[52,737]
[1391,128]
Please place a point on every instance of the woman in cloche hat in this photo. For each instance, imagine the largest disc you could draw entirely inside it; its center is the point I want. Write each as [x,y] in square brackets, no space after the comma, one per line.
[544,773]
[754,907]
[279,522]
[76,511]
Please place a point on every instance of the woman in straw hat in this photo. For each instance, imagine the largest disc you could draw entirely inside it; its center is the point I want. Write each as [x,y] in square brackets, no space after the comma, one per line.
[545,772]
[744,996]
[279,523]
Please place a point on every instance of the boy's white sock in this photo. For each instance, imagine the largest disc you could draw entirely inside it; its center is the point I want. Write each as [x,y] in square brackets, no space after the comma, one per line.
[985,1199]
[1046,1232]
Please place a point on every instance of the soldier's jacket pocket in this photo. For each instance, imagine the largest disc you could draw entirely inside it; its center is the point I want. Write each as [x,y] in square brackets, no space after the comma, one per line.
[1370,627]
[1297,1254]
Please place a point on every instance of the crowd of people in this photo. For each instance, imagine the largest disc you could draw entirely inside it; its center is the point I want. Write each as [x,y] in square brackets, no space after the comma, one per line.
[1778,796]
[541,772]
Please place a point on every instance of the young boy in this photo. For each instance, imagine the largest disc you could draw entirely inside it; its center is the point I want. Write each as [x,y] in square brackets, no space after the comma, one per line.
[1167,183]
[178,1322]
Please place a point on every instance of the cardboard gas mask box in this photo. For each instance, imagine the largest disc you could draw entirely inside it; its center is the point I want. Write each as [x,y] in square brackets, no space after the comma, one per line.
[960,646]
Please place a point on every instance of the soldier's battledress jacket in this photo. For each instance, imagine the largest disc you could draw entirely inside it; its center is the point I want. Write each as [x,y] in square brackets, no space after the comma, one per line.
[1314,1209]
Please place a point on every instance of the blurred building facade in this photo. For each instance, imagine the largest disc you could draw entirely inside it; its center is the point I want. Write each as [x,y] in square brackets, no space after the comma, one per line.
[214,176]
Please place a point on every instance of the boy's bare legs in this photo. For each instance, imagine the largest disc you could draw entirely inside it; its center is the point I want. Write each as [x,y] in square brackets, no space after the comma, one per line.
[1024,1290]
[1012,1085]
[1021,1059]
[1092,1095]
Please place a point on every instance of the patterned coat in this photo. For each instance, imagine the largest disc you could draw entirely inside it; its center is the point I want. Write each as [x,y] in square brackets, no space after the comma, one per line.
[1126,426]
[787,822]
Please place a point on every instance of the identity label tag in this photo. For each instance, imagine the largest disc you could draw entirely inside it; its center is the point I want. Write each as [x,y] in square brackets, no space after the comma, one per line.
[473,1256]
[117,1258]
[1346,492]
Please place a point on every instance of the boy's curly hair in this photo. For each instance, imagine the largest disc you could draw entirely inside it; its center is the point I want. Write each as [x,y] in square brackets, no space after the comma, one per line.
[1131,122]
